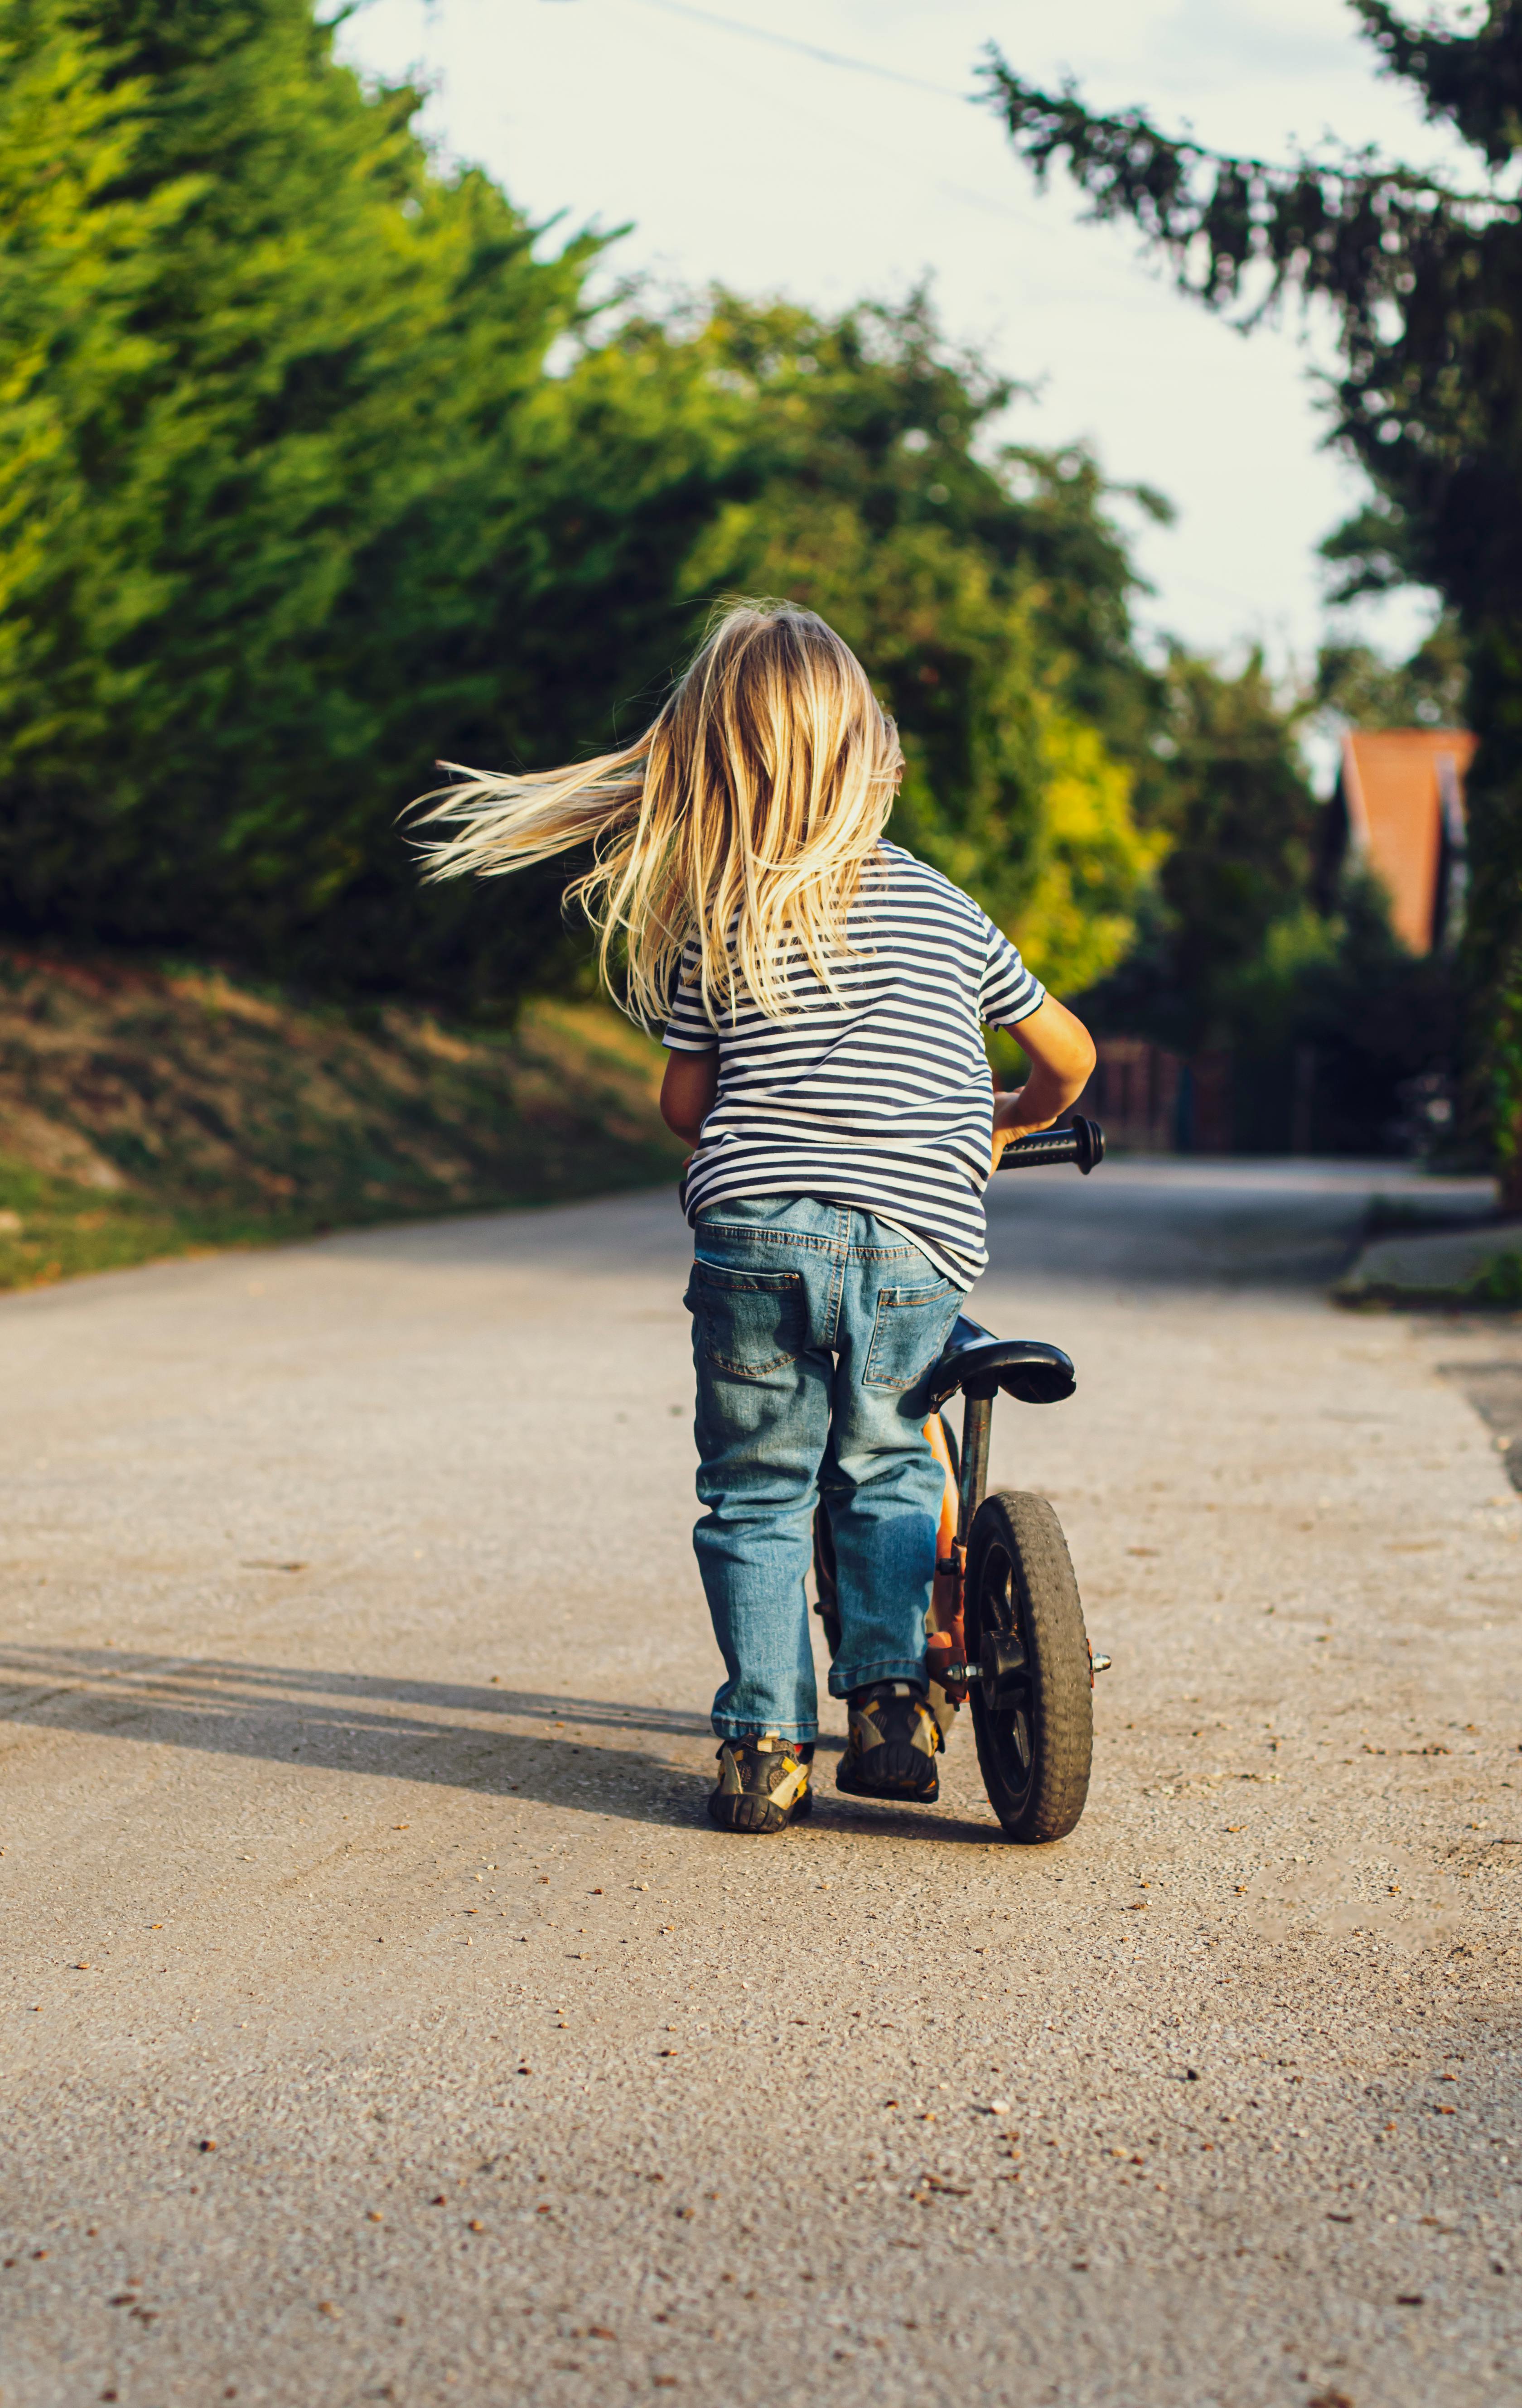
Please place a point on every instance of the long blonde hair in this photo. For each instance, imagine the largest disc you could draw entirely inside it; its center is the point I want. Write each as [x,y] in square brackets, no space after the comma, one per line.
[743,815]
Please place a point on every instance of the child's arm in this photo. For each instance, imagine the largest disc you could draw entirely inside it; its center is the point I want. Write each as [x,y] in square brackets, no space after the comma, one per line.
[688,1089]
[1061,1054]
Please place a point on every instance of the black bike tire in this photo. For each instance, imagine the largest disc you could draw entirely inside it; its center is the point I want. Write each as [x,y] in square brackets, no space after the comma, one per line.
[1046,1804]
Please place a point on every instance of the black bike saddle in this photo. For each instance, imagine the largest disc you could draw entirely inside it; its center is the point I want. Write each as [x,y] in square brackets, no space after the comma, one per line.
[980,1363]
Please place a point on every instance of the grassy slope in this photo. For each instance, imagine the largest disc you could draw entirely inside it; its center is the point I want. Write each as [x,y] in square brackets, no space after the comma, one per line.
[149,1113]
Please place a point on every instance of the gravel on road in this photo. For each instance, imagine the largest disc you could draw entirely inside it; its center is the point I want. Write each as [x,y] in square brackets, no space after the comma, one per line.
[383,2021]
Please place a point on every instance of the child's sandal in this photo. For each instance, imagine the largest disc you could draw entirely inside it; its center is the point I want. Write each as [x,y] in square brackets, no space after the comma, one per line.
[763,1784]
[892,1744]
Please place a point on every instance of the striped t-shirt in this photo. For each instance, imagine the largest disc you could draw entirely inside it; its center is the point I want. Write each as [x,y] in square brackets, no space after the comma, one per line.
[879,1098]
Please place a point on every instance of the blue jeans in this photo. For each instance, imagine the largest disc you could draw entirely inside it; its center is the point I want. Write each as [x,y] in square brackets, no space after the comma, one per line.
[814,1328]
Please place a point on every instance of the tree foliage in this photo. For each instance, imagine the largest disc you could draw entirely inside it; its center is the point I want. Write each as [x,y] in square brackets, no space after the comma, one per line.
[1423,280]
[987,586]
[1237,824]
[1249,941]
[1362,689]
[290,502]
[316,466]
[265,367]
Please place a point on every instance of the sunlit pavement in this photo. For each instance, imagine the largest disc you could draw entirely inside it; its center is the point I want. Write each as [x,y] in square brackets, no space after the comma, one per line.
[383,2020]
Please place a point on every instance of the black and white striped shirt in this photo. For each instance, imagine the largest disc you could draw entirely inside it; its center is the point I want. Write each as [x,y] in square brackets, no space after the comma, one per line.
[881,1098]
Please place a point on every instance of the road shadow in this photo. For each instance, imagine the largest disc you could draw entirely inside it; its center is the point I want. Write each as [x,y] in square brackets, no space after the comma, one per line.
[403,1729]
[450,1734]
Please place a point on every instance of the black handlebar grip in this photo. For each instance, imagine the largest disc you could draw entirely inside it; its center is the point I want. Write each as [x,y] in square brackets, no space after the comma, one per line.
[1082,1143]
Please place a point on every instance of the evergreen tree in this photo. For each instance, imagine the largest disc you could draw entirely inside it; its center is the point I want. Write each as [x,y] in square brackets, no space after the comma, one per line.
[280,492]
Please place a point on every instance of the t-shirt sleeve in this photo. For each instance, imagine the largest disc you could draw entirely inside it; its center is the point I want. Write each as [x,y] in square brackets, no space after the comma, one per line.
[688,1027]
[1008,992]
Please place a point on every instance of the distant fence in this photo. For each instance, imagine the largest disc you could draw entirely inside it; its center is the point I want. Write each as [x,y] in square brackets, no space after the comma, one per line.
[1292,1099]
[1151,1102]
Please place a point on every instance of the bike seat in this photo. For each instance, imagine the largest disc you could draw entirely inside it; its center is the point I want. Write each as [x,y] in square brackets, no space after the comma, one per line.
[980,1363]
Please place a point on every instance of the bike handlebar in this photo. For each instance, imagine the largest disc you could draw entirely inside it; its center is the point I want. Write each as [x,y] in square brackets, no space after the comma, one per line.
[1082,1143]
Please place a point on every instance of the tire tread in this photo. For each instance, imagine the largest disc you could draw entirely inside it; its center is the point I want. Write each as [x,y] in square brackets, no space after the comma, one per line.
[1028,1530]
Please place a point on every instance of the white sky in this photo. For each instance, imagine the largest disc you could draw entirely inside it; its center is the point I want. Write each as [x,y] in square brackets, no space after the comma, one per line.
[740,160]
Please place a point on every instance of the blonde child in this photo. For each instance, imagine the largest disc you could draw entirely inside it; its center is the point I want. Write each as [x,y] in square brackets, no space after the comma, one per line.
[822,993]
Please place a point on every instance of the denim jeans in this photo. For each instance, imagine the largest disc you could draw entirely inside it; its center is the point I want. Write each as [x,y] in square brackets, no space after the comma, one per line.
[814,1327]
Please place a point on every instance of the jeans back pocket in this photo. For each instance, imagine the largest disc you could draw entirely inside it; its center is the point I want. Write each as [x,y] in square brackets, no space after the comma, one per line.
[909,1333]
[750,1321]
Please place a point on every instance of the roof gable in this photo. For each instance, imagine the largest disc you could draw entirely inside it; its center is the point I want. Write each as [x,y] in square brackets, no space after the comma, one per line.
[1402,789]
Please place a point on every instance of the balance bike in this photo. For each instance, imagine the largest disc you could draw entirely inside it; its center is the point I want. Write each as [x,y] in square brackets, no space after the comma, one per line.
[1005,1625]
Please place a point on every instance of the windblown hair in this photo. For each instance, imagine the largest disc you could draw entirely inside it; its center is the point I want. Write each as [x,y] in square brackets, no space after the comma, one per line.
[744,813]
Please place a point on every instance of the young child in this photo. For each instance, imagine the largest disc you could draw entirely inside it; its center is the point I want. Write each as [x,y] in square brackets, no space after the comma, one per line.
[822,993]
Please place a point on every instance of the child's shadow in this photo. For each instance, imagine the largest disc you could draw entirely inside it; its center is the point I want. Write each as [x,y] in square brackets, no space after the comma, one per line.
[594,1755]
[448,1734]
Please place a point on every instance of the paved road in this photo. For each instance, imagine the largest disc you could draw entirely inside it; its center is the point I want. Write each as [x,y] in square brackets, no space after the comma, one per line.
[383,2021]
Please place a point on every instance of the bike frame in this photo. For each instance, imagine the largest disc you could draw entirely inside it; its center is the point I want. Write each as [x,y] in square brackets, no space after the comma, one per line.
[965,1489]
[1082,1143]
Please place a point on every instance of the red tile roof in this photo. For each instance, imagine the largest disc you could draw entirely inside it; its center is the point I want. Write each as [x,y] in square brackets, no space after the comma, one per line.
[1395,786]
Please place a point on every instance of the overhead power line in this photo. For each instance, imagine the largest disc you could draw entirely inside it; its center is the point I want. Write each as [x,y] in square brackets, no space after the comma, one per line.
[805,49]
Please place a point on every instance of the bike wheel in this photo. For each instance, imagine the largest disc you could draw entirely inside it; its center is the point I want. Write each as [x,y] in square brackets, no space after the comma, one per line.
[1033,1708]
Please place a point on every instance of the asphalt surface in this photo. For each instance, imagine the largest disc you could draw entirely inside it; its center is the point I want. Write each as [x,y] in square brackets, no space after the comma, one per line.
[382,2020]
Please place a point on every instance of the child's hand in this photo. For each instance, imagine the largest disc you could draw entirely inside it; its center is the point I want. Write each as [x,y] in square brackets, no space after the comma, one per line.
[1011,1121]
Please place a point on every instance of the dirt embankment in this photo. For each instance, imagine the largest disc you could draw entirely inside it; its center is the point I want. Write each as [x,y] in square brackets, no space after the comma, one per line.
[150,1111]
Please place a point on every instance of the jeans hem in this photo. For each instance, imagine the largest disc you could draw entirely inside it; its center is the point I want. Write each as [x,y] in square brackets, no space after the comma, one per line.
[727,1727]
[843,1680]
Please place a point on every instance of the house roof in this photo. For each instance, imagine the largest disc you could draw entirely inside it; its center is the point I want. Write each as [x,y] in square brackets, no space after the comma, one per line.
[1399,787]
